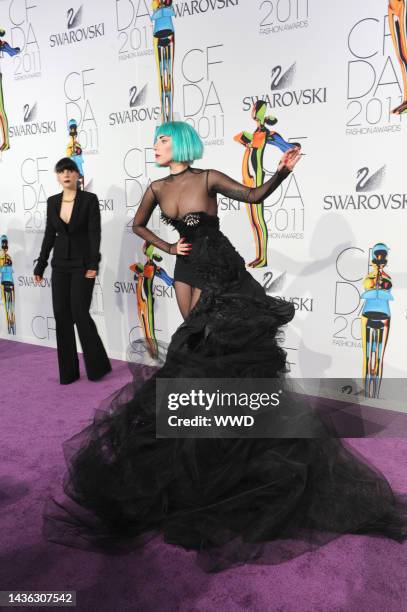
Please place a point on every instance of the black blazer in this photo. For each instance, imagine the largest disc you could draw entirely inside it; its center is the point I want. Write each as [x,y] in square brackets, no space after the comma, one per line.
[77,243]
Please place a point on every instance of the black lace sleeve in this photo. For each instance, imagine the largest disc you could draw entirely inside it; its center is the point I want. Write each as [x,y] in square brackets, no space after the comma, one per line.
[142,217]
[218,182]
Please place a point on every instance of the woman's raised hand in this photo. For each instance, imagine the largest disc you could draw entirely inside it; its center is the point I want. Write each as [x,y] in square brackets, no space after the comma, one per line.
[180,247]
[290,158]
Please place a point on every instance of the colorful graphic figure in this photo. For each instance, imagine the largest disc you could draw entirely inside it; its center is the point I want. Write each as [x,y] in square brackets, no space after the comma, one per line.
[255,144]
[7,285]
[144,274]
[375,320]
[74,150]
[398,28]
[164,43]
[4,48]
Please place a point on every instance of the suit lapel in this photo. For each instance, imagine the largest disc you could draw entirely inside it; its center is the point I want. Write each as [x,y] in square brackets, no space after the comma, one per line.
[75,211]
[58,204]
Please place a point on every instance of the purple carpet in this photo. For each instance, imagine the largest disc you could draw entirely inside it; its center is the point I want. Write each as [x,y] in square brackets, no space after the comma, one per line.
[351,573]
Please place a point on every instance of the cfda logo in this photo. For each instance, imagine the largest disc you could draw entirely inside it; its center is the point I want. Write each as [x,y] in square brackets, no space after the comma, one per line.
[377,72]
[27,62]
[203,73]
[283,15]
[79,94]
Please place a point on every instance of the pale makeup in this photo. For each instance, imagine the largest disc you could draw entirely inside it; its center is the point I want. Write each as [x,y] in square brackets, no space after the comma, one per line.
[163,154]
[68,180]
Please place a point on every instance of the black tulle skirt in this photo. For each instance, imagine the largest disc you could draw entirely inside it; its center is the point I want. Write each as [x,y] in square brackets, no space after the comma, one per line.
[232,500]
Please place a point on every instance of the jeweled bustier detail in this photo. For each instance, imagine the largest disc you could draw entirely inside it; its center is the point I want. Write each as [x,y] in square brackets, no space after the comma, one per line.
[191,219]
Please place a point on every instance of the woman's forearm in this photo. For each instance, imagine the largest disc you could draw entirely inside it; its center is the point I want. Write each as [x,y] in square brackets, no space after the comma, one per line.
[218,182]
[152,238]
[260,193]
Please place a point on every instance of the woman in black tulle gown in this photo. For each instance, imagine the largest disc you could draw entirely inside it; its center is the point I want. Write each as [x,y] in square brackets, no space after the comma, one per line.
[233,500]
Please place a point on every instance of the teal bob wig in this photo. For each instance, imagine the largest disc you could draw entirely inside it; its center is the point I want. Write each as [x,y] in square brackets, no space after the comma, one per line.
[186,142]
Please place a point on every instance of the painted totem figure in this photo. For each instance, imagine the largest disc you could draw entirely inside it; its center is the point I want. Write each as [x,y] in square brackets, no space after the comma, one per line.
[164,44]
[7,285]
[144,274]
[74,150]
[398,29]
[255,144]
[375,319]
[4,48]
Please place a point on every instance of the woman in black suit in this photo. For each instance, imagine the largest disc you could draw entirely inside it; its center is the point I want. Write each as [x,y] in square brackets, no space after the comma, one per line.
[73,230]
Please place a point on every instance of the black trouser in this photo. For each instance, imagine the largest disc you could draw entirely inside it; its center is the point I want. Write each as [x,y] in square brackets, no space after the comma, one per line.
[71,299]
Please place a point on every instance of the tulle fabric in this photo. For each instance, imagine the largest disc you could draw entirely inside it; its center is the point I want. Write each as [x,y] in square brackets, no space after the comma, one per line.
[232,500]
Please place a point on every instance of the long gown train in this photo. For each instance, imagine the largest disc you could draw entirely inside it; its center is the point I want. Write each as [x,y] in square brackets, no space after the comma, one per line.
[233,500]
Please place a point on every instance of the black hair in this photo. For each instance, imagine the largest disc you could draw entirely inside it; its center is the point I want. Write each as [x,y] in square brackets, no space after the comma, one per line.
[66,163]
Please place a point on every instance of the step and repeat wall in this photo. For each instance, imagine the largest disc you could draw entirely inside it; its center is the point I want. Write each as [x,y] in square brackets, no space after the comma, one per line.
[328,75]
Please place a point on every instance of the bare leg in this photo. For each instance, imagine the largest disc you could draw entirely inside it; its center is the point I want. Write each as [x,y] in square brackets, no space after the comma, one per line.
[196,293]
[183,293]
[187,297]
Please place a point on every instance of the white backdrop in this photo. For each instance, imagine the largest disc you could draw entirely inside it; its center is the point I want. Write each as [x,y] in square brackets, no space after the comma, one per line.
[339,79]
